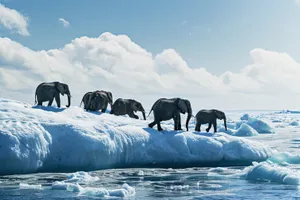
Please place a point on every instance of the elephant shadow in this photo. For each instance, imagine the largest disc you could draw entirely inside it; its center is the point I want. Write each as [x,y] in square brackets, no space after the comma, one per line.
[172,132]
[165,132]
[207,134]
[99,112]
[49,108]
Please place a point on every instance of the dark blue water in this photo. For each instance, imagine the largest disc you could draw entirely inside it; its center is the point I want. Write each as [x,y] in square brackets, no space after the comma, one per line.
[150,184]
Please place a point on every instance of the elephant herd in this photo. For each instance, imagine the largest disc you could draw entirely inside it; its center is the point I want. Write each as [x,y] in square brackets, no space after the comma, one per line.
[163,109]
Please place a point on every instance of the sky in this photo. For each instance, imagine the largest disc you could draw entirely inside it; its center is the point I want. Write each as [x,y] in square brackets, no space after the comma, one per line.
[219,54]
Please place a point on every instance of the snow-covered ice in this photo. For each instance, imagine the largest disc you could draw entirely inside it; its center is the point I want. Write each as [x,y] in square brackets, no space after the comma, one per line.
[49,139]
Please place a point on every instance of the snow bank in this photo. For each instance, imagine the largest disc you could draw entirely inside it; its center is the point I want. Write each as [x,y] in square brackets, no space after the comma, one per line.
[49,139]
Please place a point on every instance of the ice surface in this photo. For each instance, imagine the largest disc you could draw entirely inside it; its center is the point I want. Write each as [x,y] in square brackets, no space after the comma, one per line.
[49,139]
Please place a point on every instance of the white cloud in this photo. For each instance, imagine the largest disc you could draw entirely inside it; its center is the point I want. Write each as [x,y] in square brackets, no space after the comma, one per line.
[115,63]
[297,2]
[13,20]
[64,22]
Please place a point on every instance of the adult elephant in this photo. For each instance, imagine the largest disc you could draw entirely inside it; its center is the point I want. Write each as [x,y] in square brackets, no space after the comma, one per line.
[99,100]
[209,116]
[165,109]
[127,106]
[47,91]
[85,99]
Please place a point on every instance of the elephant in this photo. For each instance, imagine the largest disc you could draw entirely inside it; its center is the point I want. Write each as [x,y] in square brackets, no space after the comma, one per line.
[127,106]
[47,91]
[165,109]
[99,100]
[85,99]
[205,116]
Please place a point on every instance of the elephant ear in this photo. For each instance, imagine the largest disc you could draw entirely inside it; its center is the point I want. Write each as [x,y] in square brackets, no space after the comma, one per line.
[182,106]
[219,114]
[60,87]
[134,105]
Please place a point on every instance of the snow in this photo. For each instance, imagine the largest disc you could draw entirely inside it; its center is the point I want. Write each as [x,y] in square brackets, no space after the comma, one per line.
[50,139]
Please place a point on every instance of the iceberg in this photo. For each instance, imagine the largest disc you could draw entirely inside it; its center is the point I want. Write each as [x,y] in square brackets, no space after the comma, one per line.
[49,139]
[245,130]
[259,125]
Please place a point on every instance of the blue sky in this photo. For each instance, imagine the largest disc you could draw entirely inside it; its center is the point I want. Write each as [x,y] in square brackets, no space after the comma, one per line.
[217,35]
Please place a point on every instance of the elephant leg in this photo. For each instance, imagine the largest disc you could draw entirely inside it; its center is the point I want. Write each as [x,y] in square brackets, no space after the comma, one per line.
[103,110]
[57,99]
[152,124]
[50,102]
[159,127]
[215,126]
[40,103]
[209,126]
[132,115]
[197,128]
[177,122]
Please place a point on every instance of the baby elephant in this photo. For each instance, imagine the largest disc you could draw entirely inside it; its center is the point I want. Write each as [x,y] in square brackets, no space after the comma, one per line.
[127,106]
[210,117]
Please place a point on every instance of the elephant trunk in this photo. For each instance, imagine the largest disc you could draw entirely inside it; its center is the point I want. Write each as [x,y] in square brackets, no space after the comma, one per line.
[225,125]
[69,101]
[144,115]
[188,120]
[190,114]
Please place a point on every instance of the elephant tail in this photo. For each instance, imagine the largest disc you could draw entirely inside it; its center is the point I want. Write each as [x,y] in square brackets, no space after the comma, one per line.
[150,112]
[80,103]
[35,95]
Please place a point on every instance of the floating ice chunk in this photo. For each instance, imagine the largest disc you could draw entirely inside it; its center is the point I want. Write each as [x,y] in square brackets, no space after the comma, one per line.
[245,130]
[245,117]
[259,125]
[81,177]
[218,169]
[229,130]
[179,187]
[140,173]
[285,157]
[61,185]
[294,123]
[27,186]
[265,171]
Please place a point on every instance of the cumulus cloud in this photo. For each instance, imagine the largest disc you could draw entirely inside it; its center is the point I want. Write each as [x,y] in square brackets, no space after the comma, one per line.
[13,20]
[65,23]
[115,63]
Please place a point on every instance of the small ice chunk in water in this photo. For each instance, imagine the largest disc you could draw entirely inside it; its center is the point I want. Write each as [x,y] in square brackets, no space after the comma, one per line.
[27,186]
[294,123]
